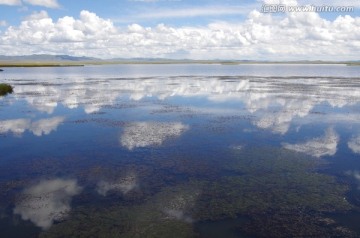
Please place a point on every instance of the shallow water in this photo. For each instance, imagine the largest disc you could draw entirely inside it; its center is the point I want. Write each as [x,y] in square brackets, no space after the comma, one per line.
[190,150]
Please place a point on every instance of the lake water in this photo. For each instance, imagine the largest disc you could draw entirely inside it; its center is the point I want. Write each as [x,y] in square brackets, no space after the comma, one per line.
[180,151]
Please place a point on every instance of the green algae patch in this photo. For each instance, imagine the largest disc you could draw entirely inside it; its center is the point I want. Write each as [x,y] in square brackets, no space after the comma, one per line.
[5,89]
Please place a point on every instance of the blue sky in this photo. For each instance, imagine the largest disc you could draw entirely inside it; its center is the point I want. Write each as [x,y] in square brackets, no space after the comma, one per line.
[178,29]
[137,11]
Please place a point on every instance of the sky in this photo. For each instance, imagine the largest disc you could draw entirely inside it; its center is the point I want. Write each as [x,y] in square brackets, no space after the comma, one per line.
[182,29]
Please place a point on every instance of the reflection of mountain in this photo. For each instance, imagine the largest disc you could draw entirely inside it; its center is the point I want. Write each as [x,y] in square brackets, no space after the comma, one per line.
[39,128]
[354,144]
[276,102]
[47,201]
[145,134]
[325,145]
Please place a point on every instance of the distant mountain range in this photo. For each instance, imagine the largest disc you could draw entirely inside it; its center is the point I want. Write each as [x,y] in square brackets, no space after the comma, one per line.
[59,58]
[44,57]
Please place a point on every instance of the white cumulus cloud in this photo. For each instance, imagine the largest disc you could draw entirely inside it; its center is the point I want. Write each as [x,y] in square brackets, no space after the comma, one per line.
[297,35]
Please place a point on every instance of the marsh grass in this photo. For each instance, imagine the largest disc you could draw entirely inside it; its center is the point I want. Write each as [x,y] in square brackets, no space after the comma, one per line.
[5,89]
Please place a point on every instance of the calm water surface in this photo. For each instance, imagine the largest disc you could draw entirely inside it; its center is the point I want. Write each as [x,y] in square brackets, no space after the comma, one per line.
[181,151]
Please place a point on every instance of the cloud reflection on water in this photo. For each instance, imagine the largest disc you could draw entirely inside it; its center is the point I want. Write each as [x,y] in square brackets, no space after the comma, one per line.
[318,147]
[177,205]
[38,128]
[47,201]
[275,102]
[354,144]
[178,215]
[124,185]
[146,134]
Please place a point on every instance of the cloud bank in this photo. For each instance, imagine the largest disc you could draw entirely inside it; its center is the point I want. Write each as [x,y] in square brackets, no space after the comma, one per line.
[297,35]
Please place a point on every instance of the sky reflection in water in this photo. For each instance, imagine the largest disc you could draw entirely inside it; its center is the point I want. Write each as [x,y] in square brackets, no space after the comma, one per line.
[133,119]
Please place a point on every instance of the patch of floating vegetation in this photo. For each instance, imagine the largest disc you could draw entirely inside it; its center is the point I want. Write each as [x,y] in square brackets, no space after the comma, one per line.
[280,191]
[5,89]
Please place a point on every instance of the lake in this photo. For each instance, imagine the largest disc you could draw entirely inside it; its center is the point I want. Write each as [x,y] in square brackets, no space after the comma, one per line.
[180,151]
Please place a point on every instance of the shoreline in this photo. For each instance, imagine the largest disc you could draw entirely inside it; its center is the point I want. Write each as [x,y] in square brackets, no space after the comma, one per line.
[7,64]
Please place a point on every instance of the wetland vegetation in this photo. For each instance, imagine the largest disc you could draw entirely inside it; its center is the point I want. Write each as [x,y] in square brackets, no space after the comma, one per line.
[5,89]
[280,192]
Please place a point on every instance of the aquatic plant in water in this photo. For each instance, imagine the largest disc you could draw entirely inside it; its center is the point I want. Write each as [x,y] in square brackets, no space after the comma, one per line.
[163,215]
[276,188]
[5,89]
